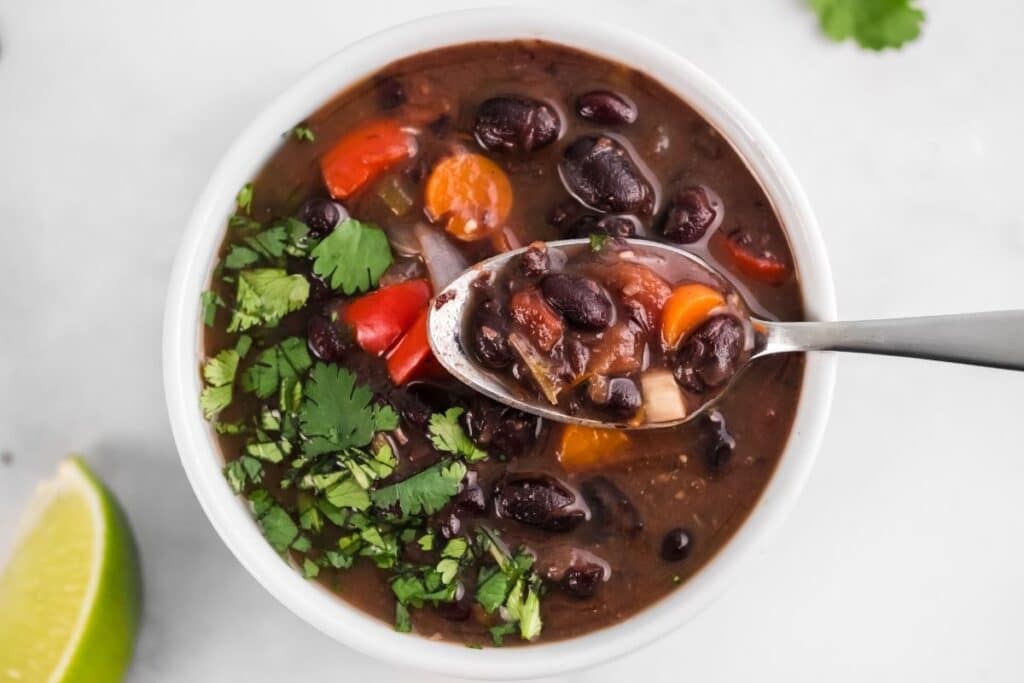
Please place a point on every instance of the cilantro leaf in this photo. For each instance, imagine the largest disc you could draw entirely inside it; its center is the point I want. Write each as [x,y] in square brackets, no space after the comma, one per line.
[278,528]
[265,295]
[425,492]
[499,632]
[244,198]
[874,24]
[348,494]
[303,132]
[219,373]
[337,413]
[310,569]
[530,623]
[448,436]
[403,622]
[353,256]
[240,257]
[285,361]
[211,301]
[492,588]
[597,241]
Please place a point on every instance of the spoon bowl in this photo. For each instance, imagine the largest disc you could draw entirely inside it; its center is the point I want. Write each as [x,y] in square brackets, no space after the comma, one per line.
[447,325]
[989,339]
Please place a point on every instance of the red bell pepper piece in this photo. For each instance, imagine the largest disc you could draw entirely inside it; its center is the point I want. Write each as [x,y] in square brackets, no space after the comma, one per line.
[378,319]
[363,154]
[758,264]
[411,358]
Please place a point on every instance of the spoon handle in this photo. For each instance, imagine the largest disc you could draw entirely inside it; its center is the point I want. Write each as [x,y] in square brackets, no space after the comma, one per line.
[994,339]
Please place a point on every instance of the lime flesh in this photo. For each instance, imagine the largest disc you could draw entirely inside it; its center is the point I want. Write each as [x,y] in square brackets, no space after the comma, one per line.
[69,594]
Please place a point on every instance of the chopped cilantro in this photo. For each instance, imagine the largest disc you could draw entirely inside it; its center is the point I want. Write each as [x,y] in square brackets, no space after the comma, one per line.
[211,301]
[310,569]
[278,528]
[240,257]
[499,632]
[403,622]
[426,541]
[219,373]
[348,494]
[243,345]
[447,435]
[302,132]
[244,198]
[492,588]
[302,544]
[353,256]
[425,492]
[874,24]
[337,413]
[265,295]
[530,623]
[285,361]
[597,241]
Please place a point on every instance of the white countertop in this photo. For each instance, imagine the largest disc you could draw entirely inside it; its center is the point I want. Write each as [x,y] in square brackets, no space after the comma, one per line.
[903,559]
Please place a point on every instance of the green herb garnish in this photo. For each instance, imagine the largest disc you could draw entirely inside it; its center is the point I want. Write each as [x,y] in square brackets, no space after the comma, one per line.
[425,492]
[353,256]
[597,241]
[448,436]
[211,301]
[244,198]
[219,373]
[337,413]
[302,132]
[265,295]
[283,362]
[874,24]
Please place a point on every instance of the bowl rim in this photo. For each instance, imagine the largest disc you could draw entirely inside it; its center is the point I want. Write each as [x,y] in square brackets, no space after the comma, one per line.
[195,259]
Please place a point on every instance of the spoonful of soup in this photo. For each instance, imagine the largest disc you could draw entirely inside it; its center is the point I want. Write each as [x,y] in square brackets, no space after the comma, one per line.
[609,332]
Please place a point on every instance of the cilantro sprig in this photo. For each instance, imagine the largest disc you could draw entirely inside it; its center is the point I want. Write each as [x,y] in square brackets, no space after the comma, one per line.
[264,296]
[448,436]
[874,24]
[353,257]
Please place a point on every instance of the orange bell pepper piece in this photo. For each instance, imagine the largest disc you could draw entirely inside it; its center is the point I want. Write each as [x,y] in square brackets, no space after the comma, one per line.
[586,448]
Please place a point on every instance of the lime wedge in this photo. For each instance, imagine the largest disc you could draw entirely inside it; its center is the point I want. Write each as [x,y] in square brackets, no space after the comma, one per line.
[69,594]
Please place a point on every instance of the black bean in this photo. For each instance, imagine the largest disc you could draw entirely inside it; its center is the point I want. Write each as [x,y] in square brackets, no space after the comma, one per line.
[458,609]
[538,500]
[321,216]
[611,510]
[719,443]
[490,340]
[613,225]
[603,106]
[418,400]
[535,261]
[710,356]
[582,582]
[675,546]
[582,301]
[390,93]
[618,396]
[600,173]
[689,215]
[515,124]
[325,340]
[499,429]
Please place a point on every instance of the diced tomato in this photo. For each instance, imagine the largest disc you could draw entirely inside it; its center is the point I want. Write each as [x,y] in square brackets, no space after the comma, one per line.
[411,358]
[364,154]
[378,319]
[759,264]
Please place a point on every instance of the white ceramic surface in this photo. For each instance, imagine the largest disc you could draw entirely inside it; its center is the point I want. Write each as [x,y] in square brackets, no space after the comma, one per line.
[899,562]
[190,276]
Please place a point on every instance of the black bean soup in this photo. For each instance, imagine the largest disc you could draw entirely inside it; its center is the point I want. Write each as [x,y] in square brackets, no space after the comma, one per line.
[376,474]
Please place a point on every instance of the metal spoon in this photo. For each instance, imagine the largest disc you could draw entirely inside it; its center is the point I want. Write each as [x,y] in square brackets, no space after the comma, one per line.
[994,339]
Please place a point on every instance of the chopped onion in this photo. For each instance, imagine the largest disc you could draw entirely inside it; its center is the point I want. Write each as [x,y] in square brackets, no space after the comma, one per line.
[402,238]
[538,366]
[663,400]
[444,260]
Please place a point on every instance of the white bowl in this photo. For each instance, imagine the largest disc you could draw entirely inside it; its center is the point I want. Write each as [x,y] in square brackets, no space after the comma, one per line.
[195,260]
